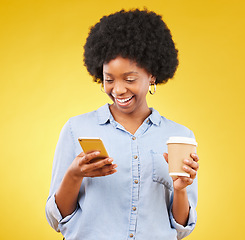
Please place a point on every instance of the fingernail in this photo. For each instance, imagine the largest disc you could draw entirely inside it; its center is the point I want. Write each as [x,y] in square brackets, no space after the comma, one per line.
[110,160]
[186,161]
[114,166]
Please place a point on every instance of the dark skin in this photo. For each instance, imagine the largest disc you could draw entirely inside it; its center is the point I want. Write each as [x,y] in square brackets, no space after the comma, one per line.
[67,194]
[180,207]
[127,85]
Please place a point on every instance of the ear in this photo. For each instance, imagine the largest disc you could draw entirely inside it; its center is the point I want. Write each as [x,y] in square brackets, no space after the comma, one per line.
[152,80]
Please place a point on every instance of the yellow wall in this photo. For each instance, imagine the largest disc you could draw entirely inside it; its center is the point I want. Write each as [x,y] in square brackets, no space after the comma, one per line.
[43,83]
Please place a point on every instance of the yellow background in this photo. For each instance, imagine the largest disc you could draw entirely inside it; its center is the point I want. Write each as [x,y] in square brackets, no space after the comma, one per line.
[44,82]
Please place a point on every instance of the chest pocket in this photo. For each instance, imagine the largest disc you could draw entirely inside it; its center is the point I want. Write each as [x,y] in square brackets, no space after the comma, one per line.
[160,170]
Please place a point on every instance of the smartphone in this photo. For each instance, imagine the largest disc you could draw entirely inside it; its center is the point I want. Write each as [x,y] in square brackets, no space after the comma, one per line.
[89,144]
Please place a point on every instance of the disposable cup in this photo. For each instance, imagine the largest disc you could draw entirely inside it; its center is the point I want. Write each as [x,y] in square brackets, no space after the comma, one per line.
[179,149]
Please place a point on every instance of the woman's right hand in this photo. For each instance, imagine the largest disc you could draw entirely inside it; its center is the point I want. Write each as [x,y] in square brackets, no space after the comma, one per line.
[83,167]
[66,195]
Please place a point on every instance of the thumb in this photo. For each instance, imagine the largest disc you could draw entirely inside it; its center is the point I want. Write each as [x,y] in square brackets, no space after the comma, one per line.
[81,154]
[165,156]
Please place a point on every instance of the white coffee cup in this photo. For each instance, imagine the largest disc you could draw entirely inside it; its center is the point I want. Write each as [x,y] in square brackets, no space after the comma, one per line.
[179,149]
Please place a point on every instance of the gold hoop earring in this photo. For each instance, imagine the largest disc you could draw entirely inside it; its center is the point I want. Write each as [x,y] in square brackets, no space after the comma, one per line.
[102,88]
[155,87]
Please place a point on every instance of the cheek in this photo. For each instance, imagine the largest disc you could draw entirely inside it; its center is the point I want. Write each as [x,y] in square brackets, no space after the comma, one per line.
[144,89]
[108,91]
[107,88]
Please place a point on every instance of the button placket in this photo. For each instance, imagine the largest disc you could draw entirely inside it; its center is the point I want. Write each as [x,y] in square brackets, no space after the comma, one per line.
[135,187]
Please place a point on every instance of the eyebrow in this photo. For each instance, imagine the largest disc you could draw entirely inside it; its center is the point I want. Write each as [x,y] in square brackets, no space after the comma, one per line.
[124,74]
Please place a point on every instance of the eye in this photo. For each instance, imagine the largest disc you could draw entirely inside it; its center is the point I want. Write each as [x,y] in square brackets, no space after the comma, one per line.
[108,80]
[130,79]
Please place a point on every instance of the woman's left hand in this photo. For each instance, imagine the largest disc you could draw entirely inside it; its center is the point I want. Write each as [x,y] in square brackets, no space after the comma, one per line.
[191,167]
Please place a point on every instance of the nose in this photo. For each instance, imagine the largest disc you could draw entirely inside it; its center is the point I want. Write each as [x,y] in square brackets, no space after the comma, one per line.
[119,88]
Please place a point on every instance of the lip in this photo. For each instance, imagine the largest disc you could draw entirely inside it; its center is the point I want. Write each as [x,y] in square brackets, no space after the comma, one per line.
[123,102]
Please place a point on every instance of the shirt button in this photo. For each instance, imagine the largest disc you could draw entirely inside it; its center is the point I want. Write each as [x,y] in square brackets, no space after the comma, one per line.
[134,208]
[133,138]
[135,157]
[131,235]
[136,181]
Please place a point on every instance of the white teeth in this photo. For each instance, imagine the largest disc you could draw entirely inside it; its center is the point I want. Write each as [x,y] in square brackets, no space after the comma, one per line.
[124,100]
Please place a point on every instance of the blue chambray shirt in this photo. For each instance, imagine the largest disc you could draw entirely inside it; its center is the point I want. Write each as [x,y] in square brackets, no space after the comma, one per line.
[133,203]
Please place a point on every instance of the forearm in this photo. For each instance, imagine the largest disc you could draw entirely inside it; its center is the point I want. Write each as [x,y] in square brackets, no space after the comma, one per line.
[67,194]
[180,208]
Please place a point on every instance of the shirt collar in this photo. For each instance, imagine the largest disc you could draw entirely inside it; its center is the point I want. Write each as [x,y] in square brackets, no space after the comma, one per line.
[104,115]
[155,117]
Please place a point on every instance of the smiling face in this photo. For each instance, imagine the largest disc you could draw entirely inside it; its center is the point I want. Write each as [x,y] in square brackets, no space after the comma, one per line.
[127,85]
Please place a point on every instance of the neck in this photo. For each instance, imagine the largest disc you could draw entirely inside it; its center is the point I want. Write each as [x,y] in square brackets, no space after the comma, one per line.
[130,121]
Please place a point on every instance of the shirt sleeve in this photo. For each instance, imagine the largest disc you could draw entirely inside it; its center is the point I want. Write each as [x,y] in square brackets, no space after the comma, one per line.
[63,157]
[183,231]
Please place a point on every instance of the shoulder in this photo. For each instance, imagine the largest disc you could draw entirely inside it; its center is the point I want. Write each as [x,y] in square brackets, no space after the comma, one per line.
[91,119]
[83,120]
[176,129]
[89,116]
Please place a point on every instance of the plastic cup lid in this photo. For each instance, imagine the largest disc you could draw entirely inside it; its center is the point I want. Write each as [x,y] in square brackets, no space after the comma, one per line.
[185,140]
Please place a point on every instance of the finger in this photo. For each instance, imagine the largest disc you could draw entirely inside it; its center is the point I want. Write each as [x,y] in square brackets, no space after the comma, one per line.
[191,171]
[188,180]
[100,174]
[111,172]
[81,154]
[165,156]
[89,156]
[106,170]
[96,169]
[195,157]
[100,163]
[192,164]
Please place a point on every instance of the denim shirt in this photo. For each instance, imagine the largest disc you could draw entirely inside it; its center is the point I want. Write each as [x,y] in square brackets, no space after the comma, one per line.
[136,201]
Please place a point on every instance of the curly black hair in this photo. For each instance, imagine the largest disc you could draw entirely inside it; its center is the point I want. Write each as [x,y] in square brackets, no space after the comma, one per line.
[138,35]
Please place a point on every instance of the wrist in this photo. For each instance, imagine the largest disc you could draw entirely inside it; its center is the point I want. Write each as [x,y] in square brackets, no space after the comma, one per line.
[180,208]
[180,191]
[73,178]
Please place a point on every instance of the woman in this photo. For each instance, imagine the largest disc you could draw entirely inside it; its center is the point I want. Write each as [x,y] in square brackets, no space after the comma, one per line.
[134,197]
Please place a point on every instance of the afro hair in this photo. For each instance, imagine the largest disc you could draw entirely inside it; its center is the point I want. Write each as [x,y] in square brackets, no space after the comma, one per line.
[141,36]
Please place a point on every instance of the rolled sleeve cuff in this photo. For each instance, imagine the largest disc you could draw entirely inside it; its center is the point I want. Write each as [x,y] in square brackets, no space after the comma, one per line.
[53,214]
[183,231]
